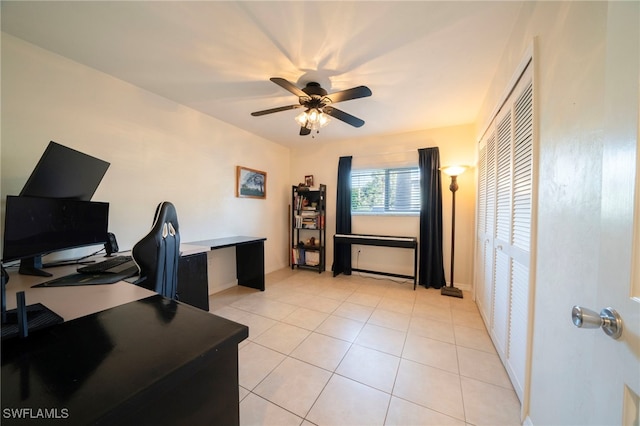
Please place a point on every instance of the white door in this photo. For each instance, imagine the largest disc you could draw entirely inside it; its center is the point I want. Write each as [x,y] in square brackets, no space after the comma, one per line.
[588,222]
[611,396]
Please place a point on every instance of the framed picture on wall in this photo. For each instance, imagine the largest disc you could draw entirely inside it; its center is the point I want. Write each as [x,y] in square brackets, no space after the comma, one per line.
[250,183]
[308,180]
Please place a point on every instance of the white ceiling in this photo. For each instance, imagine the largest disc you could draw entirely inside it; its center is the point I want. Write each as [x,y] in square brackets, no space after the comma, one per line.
[428,63]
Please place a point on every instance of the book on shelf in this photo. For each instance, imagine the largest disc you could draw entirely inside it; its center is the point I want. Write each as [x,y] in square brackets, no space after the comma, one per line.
[298,256]
[306,222]
[302,203]
[298,202]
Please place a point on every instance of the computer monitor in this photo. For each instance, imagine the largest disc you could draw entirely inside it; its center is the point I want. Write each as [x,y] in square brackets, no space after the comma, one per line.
[63,172]
[36,226]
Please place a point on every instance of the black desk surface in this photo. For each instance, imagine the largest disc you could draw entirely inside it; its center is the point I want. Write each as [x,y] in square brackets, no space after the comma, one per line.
[218,243]
[100,363]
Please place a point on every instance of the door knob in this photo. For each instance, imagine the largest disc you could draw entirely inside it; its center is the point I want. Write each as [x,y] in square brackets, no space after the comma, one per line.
[608,319]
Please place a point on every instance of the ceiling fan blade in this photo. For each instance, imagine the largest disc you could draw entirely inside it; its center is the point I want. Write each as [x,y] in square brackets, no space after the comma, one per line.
[346,95]
[285,84]
[272,110]
[304,131]
[343,116]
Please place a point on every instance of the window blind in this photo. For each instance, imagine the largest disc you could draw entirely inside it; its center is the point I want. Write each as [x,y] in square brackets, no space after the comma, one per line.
[385,191]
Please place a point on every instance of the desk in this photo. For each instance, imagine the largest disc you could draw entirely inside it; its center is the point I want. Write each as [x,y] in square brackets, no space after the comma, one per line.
[378,240]
[150,361]
[192,280]
[249,257]
[76,301]
[124,355]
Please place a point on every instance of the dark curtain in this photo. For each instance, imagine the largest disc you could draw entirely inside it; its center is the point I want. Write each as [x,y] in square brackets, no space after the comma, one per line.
[342,252]
[431,263]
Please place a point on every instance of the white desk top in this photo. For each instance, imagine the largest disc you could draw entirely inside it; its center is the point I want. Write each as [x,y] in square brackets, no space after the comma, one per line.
[189,249]
[75,301]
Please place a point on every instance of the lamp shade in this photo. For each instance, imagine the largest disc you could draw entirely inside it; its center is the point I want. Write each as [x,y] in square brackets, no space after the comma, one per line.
[453,170]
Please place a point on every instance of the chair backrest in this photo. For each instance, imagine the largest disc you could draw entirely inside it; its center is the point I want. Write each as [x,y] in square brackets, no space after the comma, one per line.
[157,254]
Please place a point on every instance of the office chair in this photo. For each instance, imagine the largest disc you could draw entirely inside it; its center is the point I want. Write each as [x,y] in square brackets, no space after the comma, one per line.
[157,254]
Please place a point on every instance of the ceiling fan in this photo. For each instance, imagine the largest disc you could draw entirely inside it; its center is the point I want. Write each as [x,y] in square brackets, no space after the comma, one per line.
[317,104]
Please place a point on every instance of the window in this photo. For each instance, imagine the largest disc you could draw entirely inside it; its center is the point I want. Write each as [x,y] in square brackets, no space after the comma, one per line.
[385,191]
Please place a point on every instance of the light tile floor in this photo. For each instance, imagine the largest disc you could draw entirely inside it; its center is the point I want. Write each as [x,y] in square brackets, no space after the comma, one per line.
[355,350]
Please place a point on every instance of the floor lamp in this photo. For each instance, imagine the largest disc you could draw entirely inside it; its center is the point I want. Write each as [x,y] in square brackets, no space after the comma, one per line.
[454,172]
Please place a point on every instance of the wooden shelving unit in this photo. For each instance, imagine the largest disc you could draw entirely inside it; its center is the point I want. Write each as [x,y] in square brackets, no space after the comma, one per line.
[308,230]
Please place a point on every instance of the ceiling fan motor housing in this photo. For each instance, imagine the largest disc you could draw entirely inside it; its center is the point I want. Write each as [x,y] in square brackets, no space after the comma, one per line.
[317,96]
[313,88]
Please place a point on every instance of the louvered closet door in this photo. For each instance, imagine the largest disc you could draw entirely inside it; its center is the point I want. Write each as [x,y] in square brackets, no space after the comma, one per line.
[503,251]
[487,193]
[520,253]
[502,229]
[483,291]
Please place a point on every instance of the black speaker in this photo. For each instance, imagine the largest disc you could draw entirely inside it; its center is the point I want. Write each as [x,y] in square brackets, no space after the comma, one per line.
[111,246]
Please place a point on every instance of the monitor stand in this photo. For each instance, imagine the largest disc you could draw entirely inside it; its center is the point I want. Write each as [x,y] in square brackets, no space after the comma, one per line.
[33,266]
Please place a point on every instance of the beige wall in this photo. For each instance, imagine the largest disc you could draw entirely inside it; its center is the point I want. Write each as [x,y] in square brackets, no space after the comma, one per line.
[158,150]
[456,145]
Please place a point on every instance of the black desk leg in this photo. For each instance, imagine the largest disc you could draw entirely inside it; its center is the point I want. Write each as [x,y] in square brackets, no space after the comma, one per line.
[250,265]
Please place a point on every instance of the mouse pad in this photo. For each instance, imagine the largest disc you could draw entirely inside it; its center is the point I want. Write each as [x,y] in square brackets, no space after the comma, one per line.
[83,279]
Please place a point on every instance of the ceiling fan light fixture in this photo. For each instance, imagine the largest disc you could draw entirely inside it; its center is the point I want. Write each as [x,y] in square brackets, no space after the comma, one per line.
[323,119]
[313,119]
[302,119]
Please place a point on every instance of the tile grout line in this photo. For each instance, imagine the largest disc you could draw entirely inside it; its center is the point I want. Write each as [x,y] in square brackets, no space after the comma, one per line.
[384,294]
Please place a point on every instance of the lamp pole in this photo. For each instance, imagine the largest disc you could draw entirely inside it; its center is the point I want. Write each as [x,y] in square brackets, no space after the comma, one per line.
[453,172]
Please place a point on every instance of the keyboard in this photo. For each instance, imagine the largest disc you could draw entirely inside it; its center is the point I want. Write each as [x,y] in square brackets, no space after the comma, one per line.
[112,265]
